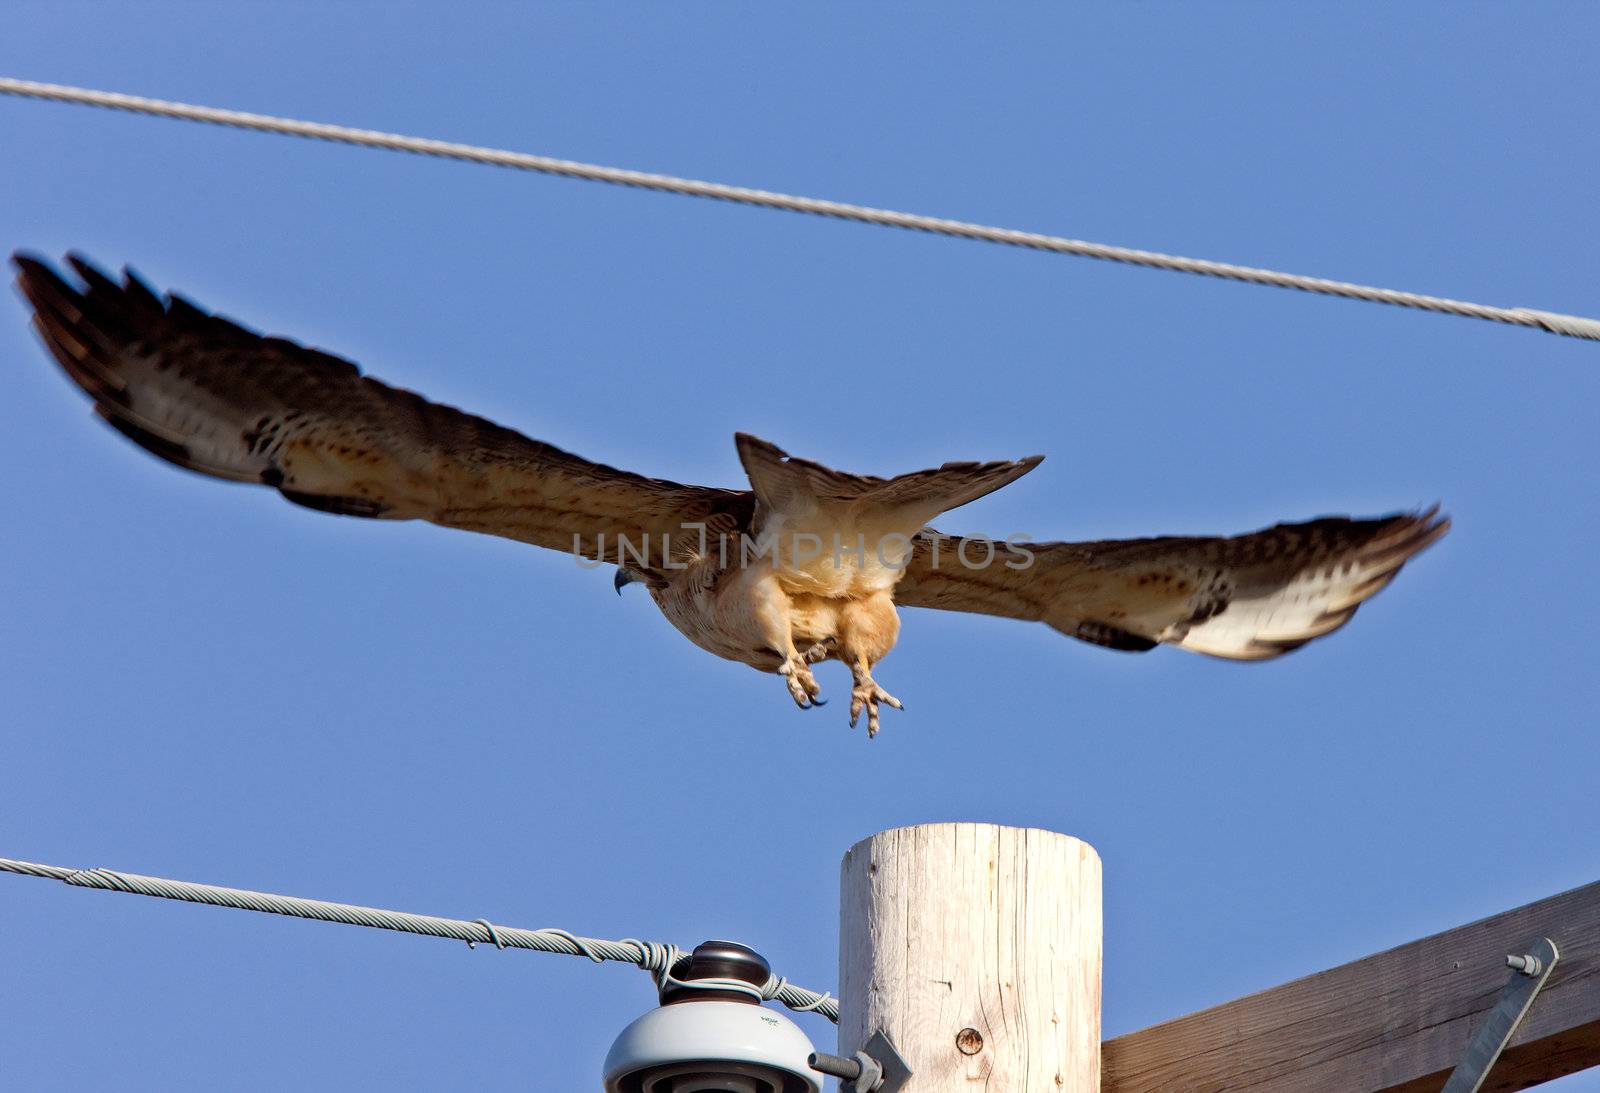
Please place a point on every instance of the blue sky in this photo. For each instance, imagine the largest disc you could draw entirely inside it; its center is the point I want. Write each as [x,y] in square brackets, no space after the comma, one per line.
[202,682]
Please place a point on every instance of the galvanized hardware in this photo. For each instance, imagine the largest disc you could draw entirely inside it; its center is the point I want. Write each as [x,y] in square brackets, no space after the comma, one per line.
[1531,970]
[861,1072]
[895,1071]
[1527,964]
[877,1068]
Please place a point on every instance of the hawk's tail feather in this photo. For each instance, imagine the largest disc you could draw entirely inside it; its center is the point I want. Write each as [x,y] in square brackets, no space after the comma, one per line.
[786,483]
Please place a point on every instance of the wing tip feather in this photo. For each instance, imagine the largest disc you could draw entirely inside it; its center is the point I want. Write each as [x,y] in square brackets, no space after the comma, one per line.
[1394,542]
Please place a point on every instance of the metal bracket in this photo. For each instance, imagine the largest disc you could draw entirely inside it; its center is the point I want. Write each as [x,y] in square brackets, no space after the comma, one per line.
[877,1068]
[1531,969]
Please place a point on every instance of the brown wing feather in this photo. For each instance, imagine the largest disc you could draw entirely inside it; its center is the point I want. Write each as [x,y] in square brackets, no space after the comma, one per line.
[1250,597]
[211,396]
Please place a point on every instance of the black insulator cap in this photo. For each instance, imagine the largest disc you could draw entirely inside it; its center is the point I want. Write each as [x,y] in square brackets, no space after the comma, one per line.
[717,960]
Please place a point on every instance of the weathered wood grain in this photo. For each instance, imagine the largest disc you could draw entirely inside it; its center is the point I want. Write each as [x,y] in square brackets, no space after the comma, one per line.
[1395,1022]
[977,949]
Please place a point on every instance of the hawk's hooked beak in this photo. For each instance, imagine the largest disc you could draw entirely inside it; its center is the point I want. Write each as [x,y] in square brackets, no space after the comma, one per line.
[622,579]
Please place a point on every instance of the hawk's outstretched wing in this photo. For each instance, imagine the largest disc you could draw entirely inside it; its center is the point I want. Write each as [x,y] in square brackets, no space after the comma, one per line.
[211,396]
[1250,597]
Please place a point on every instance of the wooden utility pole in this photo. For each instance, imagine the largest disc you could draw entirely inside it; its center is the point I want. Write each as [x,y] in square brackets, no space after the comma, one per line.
[976,949]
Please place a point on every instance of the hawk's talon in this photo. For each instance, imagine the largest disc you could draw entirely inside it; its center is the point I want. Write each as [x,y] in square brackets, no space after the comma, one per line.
[866,694]
[803,686]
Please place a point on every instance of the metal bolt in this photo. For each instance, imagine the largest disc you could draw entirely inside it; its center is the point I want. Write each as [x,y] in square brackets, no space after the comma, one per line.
[1527,964]
[969,1041]
[862,1074]
[835,1065]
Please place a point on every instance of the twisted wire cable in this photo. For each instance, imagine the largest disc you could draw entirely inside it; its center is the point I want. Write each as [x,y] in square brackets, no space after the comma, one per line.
[656,957]
[1571,326]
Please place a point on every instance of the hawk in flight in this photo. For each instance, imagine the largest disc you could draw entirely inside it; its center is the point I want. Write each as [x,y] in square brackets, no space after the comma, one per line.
[805,566]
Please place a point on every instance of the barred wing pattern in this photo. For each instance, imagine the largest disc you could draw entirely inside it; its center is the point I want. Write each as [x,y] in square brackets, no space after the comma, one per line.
[213,397]
[1250,597]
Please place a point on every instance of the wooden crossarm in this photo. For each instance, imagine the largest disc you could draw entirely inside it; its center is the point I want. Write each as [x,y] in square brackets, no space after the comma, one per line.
[1395,1022]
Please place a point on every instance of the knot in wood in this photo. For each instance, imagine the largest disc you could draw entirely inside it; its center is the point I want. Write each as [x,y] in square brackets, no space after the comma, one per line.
[969,1041]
